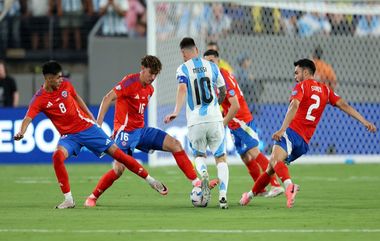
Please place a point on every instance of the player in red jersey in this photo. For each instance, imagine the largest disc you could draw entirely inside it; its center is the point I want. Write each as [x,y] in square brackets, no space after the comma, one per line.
[58,100]
[307,103]
[240,121]
[132,95]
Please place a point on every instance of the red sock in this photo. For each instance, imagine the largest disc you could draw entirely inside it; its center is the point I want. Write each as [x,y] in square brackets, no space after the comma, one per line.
[184,164]
[130,163]
[105,182]
[253,169]
[282,171]
[261,183]
[264,162]
[60,171]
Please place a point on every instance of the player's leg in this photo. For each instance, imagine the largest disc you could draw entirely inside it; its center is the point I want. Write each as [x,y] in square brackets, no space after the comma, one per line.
[135,167]
[124,141]
[65,148]
[216,141]
[156,139]
[254,155]
[247,142]
[99,143]
[277,154]
[198,143]
[104,183]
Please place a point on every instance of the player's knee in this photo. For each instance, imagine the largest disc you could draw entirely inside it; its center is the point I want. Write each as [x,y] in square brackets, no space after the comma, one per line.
[220,159]
[58,157]
[118,168]
[173,145]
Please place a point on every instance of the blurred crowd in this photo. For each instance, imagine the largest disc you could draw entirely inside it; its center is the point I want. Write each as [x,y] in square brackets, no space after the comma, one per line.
[65,24]
[215,20]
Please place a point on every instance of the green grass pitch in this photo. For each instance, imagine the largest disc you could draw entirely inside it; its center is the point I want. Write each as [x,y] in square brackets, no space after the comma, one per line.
[336,202]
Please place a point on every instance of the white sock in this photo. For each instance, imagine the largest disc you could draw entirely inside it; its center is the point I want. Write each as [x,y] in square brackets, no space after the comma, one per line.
[223,175]
[149,179]
[68,196]
[287,182]
[250,194]
[200,165]
[93,196]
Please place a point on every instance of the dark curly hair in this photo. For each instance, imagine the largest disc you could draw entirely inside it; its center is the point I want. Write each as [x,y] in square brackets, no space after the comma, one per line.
[152,62]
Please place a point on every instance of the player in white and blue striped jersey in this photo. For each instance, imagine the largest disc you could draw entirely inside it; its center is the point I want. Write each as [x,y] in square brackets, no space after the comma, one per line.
[201,82]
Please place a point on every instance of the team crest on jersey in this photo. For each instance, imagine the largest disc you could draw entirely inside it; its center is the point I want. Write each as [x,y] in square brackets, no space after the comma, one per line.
[118,87]
[294,92]
[64,94]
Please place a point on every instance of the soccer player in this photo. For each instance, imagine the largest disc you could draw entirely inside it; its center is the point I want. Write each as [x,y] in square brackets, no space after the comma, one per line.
[58,100]
[240,121]
[307,103]
[199,79]
[132,95]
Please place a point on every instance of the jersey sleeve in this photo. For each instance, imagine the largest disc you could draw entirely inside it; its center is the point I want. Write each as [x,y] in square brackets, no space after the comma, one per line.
[34,108]
[333,97]
[219,79]
[121,89]
[182,75]
[229,83]
[71,88]
[297,92]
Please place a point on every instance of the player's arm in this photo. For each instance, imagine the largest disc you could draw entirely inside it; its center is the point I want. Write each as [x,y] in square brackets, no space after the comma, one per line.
[104,106]
[234,108]
[345,107]
[24,125]
[83,106]
[292,110]
[180,101]
[222,94]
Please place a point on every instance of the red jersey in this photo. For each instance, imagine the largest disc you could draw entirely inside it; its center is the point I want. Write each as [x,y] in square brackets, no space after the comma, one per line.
[233,89]
[61,108]
[132,98]
[313,97]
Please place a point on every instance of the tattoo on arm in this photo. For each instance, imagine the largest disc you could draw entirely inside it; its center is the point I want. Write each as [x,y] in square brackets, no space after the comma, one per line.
[222,94]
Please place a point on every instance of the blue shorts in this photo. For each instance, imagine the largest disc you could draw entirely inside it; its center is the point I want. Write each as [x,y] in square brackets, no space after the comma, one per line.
[245,137]
[92,138]
[293,144]
[145,139]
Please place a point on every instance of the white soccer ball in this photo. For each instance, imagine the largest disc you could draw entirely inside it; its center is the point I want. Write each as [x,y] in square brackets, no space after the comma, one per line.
[196,197]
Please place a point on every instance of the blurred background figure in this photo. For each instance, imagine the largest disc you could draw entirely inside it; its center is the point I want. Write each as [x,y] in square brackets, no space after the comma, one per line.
[252,88]
[368,25]
[324,71]
[70,21]
[313,23]
[219,23]
[114,12]
[37,14]
[222,62]
[9,96]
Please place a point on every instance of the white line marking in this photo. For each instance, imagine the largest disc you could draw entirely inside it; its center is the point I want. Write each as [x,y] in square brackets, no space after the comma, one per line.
[192,231]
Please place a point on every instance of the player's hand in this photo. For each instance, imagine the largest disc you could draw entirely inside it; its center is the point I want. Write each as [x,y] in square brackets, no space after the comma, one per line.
[370,126]
[169,118]
[277,135]
[18,136]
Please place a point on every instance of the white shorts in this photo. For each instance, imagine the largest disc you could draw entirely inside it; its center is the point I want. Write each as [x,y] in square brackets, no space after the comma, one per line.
[210,134]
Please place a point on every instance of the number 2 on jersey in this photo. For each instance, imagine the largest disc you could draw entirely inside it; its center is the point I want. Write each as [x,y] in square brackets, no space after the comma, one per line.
[312,107]
[204,90]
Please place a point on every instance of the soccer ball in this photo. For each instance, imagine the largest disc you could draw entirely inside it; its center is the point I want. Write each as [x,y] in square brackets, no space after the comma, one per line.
[196,197]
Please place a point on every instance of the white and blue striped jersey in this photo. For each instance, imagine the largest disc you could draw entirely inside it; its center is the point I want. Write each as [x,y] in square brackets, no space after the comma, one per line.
[202,78]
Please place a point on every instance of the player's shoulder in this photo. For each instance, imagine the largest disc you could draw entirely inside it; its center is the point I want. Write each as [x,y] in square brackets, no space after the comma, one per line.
[130,79]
